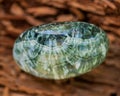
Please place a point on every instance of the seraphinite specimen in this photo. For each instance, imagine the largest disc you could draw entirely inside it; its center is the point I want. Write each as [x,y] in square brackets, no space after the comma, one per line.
[60,50]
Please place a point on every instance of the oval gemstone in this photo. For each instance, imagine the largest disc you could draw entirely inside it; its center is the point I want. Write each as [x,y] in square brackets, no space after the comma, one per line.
[60,50]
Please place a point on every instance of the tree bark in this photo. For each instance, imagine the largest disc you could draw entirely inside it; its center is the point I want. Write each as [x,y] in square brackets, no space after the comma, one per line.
[18,15]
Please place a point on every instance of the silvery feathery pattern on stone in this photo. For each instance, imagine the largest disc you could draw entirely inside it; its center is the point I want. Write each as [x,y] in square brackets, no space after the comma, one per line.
[60,50]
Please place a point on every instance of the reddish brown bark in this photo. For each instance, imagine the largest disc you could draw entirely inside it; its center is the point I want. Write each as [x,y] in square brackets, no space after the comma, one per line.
[17,15]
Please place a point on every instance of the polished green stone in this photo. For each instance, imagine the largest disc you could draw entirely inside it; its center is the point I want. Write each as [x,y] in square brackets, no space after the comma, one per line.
[60,50]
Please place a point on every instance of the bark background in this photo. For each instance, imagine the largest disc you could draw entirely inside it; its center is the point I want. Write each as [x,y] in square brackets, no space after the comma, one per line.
[17,15]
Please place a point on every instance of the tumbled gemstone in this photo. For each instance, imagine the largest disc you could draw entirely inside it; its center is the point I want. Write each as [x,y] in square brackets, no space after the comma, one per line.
[60,50]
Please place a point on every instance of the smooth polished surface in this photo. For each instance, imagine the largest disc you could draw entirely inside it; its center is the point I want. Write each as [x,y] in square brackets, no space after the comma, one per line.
[60,50]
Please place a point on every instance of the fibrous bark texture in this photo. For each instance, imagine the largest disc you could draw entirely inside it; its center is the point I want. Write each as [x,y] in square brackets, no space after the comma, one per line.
[18,15]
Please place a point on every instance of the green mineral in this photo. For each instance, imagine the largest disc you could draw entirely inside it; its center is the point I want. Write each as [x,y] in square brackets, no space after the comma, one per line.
[60,50]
